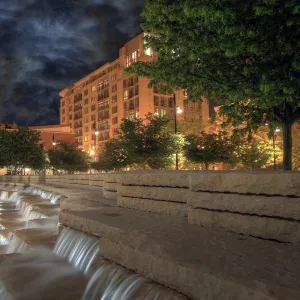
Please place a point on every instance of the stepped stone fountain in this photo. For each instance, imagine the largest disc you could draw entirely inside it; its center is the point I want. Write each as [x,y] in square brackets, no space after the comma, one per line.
[202,235]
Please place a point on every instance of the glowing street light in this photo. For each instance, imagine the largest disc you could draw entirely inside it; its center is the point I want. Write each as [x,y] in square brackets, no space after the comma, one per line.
[274,148]
[53,142]
[178,111]
[96,132]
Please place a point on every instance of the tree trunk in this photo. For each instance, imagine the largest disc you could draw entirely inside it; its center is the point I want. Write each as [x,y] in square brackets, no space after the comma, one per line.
[287,146]
[206,166]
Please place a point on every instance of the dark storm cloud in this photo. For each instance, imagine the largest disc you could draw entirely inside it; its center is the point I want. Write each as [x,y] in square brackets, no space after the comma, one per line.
[46,45]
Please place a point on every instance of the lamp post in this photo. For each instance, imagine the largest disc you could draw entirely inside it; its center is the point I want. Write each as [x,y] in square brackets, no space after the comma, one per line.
[177,110]
[53,142]
[96,133]
[53,148]
[274,148]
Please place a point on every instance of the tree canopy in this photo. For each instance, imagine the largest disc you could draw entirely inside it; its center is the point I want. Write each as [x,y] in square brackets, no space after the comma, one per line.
[113,157]
[20,149]
[253,154]
[148,142]
[68,157]
[210,148]
[231,52]
[145,143]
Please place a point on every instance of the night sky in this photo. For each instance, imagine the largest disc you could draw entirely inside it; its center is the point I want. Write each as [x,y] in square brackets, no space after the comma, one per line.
[46,45]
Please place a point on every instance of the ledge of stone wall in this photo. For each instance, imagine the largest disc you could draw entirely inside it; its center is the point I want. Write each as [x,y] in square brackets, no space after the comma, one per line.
[246,182]
[199,262]
[155,191]
[233,200]
[264,204]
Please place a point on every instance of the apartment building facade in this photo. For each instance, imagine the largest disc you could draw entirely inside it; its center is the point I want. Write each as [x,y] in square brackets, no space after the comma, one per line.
[104,97]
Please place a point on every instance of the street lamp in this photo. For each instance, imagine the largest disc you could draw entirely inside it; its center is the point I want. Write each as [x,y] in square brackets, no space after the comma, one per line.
[274,148]
[96,132]
[179,111]
[53,142]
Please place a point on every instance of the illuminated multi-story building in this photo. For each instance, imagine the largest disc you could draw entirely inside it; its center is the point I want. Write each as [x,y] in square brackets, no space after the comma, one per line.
[98,102]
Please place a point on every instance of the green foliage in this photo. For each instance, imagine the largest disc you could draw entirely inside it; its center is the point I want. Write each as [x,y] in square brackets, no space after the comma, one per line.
[113,157]
[209,148]
[296,147]
[20,149]
[141,143]
[68,157]
[148,142]
[254,154]
[230,52]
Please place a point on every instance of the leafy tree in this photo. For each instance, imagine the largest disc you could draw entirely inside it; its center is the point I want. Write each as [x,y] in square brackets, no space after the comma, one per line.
[113,157]
[148,142]
[296,146]
[254,154]
[230,51]
[20,149]
[68,157]
[210,148]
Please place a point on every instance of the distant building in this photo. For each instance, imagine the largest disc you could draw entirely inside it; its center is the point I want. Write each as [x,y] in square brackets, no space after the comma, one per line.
[48,133]
[104,97]
[57,133]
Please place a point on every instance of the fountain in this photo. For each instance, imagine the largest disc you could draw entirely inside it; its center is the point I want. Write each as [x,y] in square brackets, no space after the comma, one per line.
[74,269]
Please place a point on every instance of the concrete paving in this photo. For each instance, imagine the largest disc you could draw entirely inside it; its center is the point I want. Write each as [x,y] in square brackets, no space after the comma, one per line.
[202,263]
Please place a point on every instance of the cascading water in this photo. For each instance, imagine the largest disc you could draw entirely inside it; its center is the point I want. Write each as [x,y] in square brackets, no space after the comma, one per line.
[79,248]
[21,213]
[74,269]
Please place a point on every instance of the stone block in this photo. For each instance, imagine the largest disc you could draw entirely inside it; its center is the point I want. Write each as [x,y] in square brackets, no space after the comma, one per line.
[254,182]
[110,194]
[284,207]
[155,178]
[155,193]
[96,180]
[110,186]
[263,227]
[170,208]
[202,263]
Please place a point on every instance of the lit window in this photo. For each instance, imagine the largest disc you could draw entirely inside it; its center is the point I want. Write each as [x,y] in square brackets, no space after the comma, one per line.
[148,51]
[125,95]
[86,138]
[114,77]
[128,61]
[134,56]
